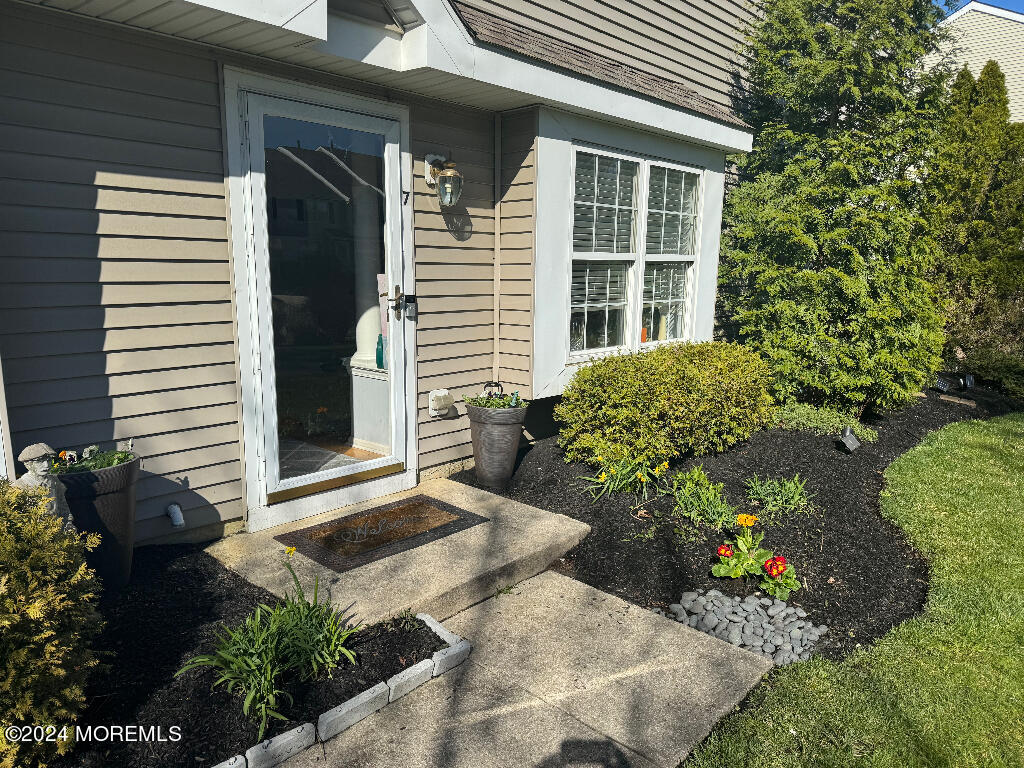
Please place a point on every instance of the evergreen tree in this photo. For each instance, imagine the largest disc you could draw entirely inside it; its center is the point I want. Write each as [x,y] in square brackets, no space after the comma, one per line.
[975,196]
[826,257]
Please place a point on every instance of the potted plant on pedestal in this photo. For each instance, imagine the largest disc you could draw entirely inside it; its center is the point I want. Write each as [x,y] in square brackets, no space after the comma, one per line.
[101,495]
[496,423]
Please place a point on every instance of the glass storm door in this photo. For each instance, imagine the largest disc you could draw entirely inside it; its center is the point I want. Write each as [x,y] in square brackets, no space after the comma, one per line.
[326,245]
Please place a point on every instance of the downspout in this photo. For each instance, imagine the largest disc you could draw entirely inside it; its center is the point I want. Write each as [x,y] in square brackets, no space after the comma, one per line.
[497,245]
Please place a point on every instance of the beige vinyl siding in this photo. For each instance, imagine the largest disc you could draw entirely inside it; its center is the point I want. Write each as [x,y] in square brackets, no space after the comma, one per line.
[692,43]
[454,274]
[978,37]
[115,307]
[515,325]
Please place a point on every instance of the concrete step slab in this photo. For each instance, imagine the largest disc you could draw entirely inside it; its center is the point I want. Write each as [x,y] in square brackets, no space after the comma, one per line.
[470,718]
[646,682]
[441,577]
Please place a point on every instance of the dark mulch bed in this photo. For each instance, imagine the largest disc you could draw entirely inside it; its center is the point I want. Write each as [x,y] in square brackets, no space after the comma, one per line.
[178,598]
[860,574]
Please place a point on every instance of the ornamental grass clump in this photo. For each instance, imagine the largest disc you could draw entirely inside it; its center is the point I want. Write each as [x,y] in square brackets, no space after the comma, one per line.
[698,501]
[663,403]
[635,476]
[298,638]
[48,620]
[778,498]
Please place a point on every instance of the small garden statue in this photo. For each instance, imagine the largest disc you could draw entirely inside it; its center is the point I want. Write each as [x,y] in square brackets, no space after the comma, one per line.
[37,458]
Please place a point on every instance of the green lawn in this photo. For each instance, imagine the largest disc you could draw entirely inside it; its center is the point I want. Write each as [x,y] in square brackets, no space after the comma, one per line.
[946,688]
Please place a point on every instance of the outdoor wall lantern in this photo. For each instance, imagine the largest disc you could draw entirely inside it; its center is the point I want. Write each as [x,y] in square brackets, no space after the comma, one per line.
[445,177]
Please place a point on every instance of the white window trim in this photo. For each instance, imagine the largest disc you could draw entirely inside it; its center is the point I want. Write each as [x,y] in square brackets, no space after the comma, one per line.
[637,259]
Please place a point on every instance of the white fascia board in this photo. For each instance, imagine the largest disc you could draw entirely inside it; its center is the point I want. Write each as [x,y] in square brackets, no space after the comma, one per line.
[306,17]
[984,8]
[443,44]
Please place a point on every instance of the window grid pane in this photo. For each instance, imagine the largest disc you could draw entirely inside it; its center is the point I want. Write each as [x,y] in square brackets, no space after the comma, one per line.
[671,211]
[598,305]
[605,204]
[664,308]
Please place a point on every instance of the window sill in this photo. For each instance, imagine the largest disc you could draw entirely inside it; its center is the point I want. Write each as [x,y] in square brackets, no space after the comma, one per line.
[589,356]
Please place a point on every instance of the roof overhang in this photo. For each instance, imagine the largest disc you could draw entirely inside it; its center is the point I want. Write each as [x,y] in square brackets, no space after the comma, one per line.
[992,10]
[444,45]
[437,58]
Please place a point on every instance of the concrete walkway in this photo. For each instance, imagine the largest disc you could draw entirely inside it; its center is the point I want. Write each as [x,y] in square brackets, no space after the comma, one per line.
[441,577]
[561,674]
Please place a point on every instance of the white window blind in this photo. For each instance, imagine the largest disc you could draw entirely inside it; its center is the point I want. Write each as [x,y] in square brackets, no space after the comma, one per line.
[671,212]
[598,305]
[664,304]
[605,204]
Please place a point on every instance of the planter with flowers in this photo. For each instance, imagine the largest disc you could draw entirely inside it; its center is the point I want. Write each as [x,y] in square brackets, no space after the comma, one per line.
[101,495]
[496,424]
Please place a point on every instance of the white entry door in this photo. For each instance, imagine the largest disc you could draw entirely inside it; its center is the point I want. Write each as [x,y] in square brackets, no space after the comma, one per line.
[330,356]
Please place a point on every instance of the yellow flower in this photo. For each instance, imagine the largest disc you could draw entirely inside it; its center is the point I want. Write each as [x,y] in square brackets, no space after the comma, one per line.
[612,470]
[745,520]
[643,479]
[289,551]
[600,458]
[664,465]
[602,477]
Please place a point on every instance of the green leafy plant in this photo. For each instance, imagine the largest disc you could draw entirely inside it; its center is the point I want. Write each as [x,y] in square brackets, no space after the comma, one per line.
[92,458]
[698,500]
[296,638]
[776,498]
[635,475]
[497,400]
[659,404]
[797,416]
[48,620]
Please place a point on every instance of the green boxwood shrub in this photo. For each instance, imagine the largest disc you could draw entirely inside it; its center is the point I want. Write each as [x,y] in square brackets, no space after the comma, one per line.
[48,619]
[673,400]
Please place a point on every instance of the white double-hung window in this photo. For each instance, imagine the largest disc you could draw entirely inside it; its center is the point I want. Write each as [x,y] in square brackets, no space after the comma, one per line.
[635,239]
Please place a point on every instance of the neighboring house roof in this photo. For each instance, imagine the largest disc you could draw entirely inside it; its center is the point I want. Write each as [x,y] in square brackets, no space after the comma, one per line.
[982,32]
[505,33]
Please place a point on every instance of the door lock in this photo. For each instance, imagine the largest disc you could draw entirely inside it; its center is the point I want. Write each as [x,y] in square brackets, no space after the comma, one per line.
[396,300]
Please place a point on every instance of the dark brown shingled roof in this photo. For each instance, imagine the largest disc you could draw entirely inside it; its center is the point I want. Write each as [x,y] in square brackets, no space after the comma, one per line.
[488,28]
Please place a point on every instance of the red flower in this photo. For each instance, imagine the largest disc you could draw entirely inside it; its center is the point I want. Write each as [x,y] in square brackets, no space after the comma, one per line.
[725,551]
[775,566]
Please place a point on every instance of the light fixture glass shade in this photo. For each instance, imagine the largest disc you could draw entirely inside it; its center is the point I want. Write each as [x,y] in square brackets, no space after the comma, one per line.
[449,186]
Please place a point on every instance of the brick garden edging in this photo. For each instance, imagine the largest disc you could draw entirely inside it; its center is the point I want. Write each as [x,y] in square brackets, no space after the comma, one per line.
[271,752]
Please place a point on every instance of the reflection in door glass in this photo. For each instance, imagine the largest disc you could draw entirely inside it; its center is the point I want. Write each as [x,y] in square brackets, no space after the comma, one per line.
[325,222]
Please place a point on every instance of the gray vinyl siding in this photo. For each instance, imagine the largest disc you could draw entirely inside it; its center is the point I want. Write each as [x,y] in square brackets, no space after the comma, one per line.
[117,319]
[693,43]
[517,195]
[978,37]
[115,308]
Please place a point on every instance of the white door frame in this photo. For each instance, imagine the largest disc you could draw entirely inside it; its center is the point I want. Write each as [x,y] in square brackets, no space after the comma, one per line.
[243,89]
